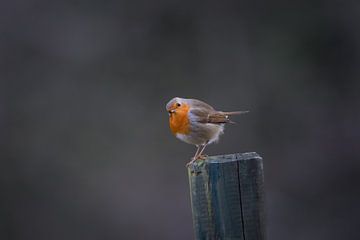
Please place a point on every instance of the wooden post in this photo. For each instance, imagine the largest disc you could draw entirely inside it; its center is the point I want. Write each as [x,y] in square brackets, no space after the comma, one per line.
[227,197]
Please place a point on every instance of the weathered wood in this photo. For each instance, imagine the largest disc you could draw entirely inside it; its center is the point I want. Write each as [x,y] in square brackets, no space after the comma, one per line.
[227,197]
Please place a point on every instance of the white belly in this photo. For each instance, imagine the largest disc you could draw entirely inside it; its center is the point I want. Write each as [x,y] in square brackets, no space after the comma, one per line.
[207,133]
[185,138]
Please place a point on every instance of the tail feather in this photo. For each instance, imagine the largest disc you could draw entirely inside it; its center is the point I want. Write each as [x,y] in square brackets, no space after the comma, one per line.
[227,114]
[235,112]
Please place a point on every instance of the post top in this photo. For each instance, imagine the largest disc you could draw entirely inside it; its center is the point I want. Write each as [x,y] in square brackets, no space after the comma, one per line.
[198,166]
[232,157]
[226,158]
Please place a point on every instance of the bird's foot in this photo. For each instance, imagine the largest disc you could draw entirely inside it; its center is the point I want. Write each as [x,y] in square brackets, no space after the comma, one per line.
[202,157]
[194,159]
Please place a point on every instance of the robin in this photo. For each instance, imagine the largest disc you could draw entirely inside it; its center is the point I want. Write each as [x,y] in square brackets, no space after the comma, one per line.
[196,122]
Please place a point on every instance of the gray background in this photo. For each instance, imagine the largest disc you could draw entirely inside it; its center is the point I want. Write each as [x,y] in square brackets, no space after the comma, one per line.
[86,152]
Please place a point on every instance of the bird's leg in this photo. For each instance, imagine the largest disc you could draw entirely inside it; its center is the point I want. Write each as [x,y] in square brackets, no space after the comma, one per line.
[199,155]
[197,151]
[195,156]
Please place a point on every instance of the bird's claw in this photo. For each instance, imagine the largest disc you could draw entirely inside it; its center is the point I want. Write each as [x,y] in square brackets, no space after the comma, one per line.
[200,157]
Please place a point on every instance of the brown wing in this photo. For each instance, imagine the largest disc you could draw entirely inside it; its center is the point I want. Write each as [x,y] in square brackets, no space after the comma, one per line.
[218,117]
[205,116]
[215,117]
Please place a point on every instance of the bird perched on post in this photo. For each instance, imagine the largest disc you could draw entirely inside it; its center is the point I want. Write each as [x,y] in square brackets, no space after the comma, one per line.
[196,122]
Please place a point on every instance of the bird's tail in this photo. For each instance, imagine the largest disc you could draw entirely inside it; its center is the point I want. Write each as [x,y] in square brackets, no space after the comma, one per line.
[227,114]
[235,113]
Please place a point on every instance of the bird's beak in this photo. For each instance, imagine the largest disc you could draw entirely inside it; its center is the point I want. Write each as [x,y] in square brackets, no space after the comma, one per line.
[171,109]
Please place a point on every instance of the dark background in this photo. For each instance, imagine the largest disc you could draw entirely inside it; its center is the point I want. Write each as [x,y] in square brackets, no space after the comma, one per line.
[86,152]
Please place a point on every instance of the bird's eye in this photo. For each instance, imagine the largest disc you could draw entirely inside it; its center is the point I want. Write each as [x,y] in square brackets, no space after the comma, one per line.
[178,104]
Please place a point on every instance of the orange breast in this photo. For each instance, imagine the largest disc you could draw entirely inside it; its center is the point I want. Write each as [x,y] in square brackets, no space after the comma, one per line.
[179,120]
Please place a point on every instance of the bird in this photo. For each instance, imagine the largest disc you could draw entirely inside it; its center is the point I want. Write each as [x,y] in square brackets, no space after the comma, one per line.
[196,122]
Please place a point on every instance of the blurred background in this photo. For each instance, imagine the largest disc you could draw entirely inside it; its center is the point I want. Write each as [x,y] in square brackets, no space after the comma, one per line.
[86,151]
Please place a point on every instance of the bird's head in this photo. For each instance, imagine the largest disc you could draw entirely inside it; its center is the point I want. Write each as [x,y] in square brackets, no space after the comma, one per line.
[176,104]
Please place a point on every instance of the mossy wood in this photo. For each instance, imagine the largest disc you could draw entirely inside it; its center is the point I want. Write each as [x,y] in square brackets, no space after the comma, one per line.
[227,197]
